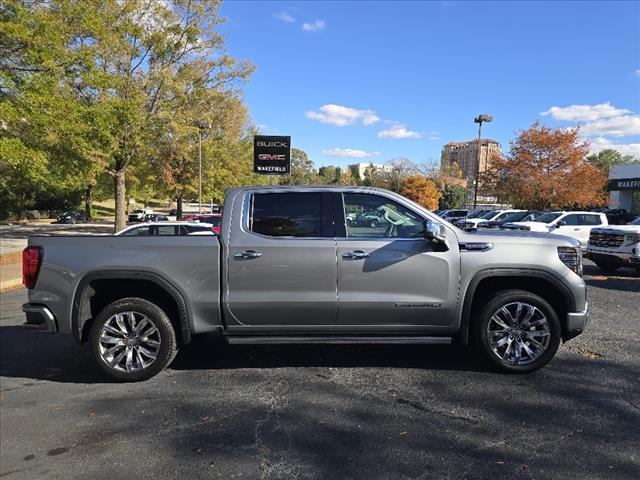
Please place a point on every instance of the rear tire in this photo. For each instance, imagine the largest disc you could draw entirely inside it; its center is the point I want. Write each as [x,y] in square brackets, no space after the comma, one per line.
[132,339]
[517,331]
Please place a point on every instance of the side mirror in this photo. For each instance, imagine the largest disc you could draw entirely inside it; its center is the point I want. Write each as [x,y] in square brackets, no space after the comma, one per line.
[561,223]
[435,232]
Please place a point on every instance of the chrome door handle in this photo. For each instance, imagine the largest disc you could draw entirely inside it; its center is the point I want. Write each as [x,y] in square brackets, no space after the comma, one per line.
[247,254]
[355,255]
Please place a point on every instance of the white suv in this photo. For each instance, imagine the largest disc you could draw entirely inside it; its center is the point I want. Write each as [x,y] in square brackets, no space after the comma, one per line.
[577,225]
[617,245]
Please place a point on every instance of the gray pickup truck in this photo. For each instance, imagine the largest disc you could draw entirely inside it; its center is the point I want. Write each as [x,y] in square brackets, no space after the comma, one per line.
[288,268]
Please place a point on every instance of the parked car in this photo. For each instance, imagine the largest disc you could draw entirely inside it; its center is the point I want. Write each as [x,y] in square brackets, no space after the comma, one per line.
[372,219]
[523,216]
[617,216]
[448,214]
[490,216]
[214,219]
[72,216]
[155,217]
[577,224]
[164,228]
[471,214]
[287,269]
[138,214]
[613,247]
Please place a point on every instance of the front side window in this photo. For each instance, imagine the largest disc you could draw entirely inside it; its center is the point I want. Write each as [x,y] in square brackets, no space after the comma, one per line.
[288,214]
[572,219]
[373,216]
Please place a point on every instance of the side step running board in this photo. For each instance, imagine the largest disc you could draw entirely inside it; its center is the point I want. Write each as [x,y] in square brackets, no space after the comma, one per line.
[272,340]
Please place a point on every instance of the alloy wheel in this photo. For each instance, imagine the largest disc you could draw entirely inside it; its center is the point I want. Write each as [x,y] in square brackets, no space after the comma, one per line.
[129,341]
[518,333]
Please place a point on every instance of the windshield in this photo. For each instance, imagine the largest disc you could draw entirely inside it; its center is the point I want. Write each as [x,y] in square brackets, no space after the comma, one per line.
[547,217]
[504,216]
[476,213]
[137,211]
[635,222]
[488,215]
[513,216]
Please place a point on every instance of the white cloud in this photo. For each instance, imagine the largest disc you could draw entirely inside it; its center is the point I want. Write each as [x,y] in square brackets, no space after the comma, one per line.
[341,116]
[313,27]
[284,17]
[349,152]
[602,143]
[433,135]
[637,73]
[585,113]
[622,126]
[398,130]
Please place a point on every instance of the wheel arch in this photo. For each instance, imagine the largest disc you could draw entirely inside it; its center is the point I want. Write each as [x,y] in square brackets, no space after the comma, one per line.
[99,288]
[539,282]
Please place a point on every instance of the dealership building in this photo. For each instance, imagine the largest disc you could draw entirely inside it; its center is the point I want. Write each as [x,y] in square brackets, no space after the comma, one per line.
[624,187]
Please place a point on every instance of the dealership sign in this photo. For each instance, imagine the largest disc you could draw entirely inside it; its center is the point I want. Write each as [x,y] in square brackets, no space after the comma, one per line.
[624,184]
[271,155]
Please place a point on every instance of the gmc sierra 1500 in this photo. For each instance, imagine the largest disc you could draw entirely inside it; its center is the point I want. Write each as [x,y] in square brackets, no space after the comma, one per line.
[288,268]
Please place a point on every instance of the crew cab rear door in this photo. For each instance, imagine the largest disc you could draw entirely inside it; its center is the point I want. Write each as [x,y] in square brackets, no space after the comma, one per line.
[389,274]
[281,260]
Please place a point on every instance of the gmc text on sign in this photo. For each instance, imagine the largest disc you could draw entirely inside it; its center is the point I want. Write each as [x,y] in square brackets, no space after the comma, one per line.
[271,155]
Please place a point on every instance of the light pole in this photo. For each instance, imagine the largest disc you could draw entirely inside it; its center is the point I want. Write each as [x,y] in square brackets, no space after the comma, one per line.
[201,126]
[483,117]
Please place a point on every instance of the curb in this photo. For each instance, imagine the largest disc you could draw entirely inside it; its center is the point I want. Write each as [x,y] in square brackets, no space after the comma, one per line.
[10,284]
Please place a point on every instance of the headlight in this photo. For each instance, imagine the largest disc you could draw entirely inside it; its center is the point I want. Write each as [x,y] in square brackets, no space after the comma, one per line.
[632,238]
[572,258]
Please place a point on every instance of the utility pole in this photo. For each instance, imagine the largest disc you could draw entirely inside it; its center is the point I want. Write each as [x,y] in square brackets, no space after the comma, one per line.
[199,170]
[479,119]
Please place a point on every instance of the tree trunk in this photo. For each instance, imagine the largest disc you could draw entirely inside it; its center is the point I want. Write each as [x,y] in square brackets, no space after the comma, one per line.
[179,207]
[121,200]
[87,201]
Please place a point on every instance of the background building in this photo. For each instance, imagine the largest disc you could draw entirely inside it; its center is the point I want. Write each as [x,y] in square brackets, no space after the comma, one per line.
[465,155]
[624,187]
[358,170]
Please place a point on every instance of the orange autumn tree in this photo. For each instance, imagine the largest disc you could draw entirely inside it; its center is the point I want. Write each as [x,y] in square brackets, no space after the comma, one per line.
[421,190]
[547,168]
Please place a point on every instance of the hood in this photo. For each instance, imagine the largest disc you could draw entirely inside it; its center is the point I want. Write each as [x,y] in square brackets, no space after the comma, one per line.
[617,229]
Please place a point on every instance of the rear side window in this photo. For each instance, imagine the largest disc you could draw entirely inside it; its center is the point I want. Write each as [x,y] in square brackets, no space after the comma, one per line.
[167,230]
[591,220]
[286,214]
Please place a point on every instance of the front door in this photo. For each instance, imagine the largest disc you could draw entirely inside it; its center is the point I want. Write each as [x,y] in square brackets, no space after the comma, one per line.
[282,261]
[388,274]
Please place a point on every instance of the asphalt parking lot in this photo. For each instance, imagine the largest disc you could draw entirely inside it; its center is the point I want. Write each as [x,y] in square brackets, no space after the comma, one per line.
[328,412]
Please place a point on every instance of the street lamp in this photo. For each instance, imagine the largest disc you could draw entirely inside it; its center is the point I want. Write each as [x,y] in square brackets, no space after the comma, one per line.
[201,126]
[483,117]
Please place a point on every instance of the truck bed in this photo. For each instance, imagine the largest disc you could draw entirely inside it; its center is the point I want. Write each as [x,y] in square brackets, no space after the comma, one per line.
[181,263]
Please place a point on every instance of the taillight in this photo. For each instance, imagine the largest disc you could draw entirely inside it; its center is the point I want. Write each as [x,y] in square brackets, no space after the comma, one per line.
[31,257]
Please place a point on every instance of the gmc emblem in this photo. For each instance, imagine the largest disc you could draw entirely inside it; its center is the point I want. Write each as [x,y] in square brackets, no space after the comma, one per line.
[271,157]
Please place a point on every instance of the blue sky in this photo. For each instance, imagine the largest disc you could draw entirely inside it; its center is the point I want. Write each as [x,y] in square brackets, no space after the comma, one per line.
[371,81]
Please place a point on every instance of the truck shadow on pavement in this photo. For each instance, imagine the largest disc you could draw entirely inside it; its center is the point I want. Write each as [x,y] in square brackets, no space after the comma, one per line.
[58,358]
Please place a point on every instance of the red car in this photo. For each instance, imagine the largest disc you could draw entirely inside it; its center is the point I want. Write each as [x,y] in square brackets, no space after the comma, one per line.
[213,218]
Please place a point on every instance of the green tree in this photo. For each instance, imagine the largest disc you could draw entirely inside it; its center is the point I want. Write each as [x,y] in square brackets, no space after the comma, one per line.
[609,157]
[303,171]
[453,196]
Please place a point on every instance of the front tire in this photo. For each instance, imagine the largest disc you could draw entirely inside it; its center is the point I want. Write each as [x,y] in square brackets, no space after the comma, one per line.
[132,339]
[518,331]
